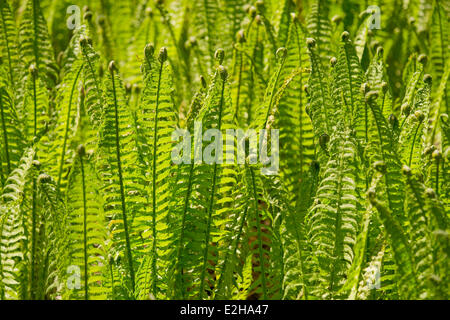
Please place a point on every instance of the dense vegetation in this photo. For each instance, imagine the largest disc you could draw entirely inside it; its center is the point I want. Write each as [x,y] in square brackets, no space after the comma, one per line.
[93,207]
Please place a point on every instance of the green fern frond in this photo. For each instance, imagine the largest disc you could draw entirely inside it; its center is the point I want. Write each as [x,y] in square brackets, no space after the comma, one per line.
[86,230]
[384,158]
[157,119]
[58,154]
[413,136]
[319,28]
[11,137]
[333,219]
[13,231]
[401,250]
[320,108]
[125,197]
[421,243]
[35,45]
[440,37]
[8,43]
[93,86]
[378,80]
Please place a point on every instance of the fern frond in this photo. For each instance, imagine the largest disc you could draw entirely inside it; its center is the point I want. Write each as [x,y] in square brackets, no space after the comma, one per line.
[13,230]
[320,108]
[421,243]
[272,92]
[440,38]
[157,119]
[35,45]
[378,80]
[384,158]
[414,130]
[296,131]
[34,109]
[8,43]
[333,218]
[11,137]
[401,250]
[86,229]
[206,29]
[58,154]
[319,28]
[125,197]
[347,87]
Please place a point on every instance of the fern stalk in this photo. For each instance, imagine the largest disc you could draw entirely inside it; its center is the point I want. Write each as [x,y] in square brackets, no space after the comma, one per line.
[260,244]
[86,274]
[121,184]
[8,49]
[34,74]
[211,201]
[183,223]
[66,131]
[33,241]
[155,147]
[5,135]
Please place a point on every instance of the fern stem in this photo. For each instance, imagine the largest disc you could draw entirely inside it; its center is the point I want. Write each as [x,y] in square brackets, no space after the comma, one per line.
[36,32]
[273,93]
[181,56]
[208,29]
[33,242]
[2,224]
[35,104]
[5,133]
[315,63]
[2,177]
[383,102]
[154,176]
[211,202]
[258,228]
[66,131]
[413,144]
[298,242]
[238,94]
[443,48]
[352,100]
[437,176]
[91,68]
[300,103]
[338,241]
[8,50]
[235,248]
[122,189]
[380,136]
[199,64]
[86,274]
[183,225]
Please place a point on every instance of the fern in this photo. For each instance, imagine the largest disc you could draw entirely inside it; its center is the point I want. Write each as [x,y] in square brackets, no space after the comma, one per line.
[35,43]
[119,153]
[13,229]
[113,185]
[86,229]
[8,39]
[333,219]
[158,119]
[11,136]
[320,29]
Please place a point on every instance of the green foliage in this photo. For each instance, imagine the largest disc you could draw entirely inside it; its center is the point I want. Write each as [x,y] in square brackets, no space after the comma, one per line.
[92,205]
